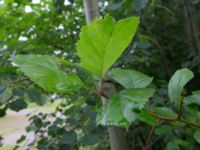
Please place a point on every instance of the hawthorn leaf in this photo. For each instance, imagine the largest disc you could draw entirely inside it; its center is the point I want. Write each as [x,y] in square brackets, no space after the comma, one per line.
[44,71]
[119,111]
[103,41]
[177,82]
[130,78]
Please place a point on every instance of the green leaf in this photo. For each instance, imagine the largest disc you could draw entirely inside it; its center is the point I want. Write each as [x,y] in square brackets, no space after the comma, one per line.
[119,110]
[44,72]
[69,138]
[130,78]
[21,139]
[163,129]
[196,135]
[3,111]
[164,112]
[146,117]
[177,82]
[193,99]
[103,41]
[18,105]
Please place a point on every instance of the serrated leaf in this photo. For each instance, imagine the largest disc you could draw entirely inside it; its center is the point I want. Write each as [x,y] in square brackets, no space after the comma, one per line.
[196,135]
[103,41]
[130,78]
[177,82]
[164,112]
[44,72]
[146,117]
[119,111]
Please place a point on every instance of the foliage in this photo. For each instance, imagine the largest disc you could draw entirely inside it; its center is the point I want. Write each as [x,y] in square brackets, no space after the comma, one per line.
[44,71]
[97,46]
[163,44]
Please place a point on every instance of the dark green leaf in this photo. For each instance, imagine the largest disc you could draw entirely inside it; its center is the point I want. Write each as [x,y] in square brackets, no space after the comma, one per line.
[68,138]
[130,78]
[18,105]
[21,139]
[163,129]
[164,111]
[119,110]
[146,117]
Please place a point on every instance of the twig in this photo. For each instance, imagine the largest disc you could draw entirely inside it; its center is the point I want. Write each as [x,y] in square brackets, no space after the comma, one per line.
[175,119]
[149,137]
[162,117]
[18,80]
[140,141]
[181,108]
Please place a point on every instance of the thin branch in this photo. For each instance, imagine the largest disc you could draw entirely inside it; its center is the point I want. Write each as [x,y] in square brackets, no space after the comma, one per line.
[149,137]
[175,119]
[163,117]
[18,80]
[189,122]
[180,108]
[140,141]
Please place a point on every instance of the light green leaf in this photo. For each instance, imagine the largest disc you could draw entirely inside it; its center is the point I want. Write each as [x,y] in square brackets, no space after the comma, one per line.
[177,82]
[164,112]
[146,117]
[196,135]
[103,41]
[119,111]
[130,78]
[44,72]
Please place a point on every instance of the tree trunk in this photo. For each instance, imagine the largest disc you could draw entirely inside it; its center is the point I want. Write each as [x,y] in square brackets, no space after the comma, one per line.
[191,27]
[117,136]
[91,10]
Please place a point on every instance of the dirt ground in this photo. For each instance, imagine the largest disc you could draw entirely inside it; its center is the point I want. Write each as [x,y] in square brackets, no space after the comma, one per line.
[13,125]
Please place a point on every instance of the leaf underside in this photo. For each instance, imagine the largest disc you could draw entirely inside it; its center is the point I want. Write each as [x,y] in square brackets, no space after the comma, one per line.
[177,82]
[44,71]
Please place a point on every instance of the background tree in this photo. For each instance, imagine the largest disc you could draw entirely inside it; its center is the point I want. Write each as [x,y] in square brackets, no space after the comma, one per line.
[167,39]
